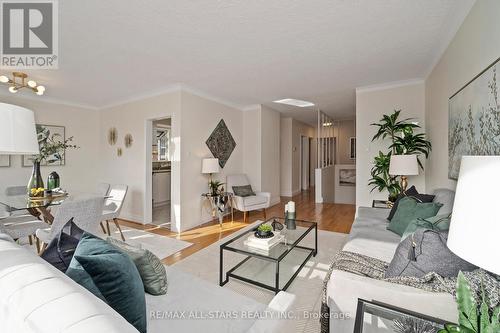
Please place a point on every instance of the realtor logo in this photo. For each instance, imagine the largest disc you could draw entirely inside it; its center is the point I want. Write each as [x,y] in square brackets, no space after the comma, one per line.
[29,34]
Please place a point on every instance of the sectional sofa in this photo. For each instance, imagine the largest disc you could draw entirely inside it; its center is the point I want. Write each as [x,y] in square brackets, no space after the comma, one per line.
[370,237]
[36,297]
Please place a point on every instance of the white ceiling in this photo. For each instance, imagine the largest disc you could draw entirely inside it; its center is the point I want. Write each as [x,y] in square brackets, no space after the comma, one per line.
[246,52]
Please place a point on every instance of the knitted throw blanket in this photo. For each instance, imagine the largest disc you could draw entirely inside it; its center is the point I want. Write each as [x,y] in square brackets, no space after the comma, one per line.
[373,268]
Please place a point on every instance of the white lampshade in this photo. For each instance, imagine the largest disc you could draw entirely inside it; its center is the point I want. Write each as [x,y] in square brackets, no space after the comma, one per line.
[403,165]
[475,221]
[210,165]
[17,131]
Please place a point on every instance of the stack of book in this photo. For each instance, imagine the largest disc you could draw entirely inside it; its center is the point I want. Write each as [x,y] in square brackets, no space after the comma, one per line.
[263,245]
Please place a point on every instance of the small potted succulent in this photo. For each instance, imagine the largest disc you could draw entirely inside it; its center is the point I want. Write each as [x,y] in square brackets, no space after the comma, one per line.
[264,231]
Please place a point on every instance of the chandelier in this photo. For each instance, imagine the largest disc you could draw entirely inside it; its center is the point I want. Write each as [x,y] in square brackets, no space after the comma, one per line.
[19,81]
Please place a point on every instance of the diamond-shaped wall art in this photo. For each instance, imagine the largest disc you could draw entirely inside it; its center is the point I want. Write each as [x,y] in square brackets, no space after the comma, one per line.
[221,143]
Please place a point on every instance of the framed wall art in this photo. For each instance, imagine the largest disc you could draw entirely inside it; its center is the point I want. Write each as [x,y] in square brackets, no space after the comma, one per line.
[474,119]
[44,133]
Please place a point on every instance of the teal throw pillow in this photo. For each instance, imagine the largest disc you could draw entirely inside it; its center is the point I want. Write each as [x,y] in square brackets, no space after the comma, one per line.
[438,223]
[152,271]
[408,210]
[110,274]
[88,245]
[119,281]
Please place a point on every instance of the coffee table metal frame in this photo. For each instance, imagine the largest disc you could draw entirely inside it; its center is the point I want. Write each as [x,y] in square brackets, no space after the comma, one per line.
[275,288]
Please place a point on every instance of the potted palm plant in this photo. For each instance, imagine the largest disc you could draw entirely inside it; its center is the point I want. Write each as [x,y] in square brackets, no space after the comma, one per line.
[403,141]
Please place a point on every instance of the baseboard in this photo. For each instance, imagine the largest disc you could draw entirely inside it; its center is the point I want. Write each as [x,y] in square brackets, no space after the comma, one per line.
[132,217]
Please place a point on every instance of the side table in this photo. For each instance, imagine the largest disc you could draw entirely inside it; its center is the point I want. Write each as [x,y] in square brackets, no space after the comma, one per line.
[219,203]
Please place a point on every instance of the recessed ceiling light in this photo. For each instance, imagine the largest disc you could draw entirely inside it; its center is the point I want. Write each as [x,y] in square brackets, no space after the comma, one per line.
[294,102]
[327,124]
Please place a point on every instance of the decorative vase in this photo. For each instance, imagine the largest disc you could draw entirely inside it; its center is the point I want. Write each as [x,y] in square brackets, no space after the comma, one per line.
[53,181]
[36,181]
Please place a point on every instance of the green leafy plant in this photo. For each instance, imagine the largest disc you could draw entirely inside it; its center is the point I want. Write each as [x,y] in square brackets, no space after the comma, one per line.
[403,141]
[473,318]
[265,228]
[52,146]
[215,186]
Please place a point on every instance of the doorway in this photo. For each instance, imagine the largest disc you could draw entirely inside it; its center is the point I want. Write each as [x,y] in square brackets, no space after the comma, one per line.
[161,174]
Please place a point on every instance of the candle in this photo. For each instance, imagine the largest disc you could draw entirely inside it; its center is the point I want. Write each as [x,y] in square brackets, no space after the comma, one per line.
[291,207]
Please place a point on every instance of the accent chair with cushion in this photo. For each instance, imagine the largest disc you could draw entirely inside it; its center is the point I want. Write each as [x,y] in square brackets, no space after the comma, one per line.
[113,207]
[247,200]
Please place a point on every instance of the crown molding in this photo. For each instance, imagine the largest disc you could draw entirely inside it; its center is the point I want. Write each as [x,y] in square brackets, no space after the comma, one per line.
[252,107]
[389,85]
[45,99]
[201,93]
[178,87]
[138,97]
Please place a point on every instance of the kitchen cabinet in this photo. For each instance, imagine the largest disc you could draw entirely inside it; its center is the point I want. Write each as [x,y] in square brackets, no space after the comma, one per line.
[161,187]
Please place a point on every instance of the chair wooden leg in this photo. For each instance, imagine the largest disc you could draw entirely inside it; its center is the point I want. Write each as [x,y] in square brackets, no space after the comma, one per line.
[102,227]
[30,239]
[44,247]
[37,243]
[107,227]
[118,226]
[264,211]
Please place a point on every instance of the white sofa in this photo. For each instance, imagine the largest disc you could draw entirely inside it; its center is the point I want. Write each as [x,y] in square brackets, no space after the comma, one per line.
[36,297]
[370,237]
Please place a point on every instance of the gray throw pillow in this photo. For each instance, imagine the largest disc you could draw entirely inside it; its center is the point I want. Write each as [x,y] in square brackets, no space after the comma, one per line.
[423,252]
[243,191]
[446,198]
[151,270]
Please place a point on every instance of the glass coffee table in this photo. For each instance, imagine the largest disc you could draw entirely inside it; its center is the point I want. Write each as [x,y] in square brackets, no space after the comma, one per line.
[373,316]
[275,269]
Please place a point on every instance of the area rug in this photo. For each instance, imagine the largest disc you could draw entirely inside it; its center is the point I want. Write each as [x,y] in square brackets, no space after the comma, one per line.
[161,246]
[307,286]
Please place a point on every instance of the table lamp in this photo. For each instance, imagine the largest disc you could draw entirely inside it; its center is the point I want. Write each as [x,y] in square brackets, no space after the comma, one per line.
[17,131]
[210,166]
[475,221]
[403,165]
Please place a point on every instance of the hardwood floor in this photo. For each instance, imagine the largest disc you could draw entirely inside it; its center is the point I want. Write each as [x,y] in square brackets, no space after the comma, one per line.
[330,217]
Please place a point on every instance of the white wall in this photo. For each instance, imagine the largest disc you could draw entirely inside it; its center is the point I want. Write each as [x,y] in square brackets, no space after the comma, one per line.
[475,46]
[261,153]
[270,162]
[199,118]
[131,168]
[193,120]
[371,104]
[252,146]
[82,165]
[344,130]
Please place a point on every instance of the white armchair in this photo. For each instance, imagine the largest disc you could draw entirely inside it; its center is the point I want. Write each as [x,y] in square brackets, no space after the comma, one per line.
[261,200]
